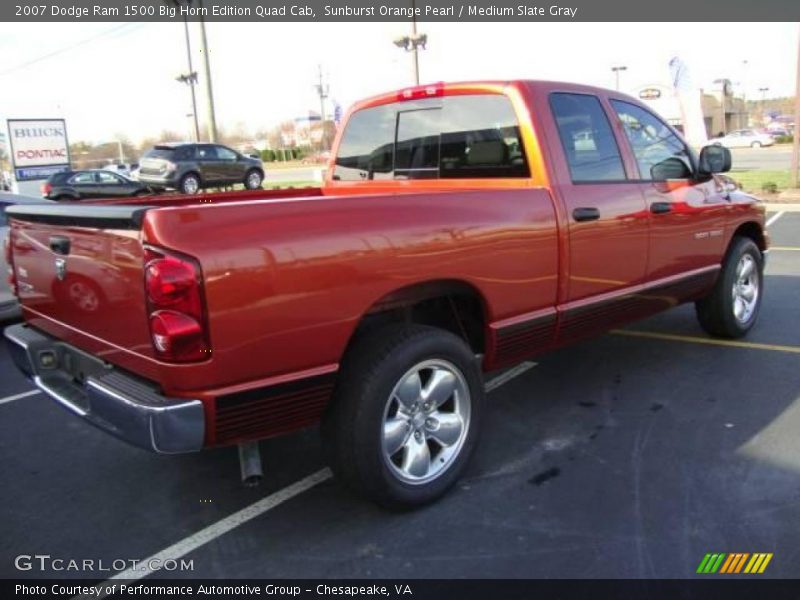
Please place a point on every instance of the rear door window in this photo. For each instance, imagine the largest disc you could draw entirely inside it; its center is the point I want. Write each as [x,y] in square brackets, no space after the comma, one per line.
[471,136]
[587,138]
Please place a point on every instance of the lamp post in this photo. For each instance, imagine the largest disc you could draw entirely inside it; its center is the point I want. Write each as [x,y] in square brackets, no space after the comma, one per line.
[322,91]
[795,176]
[616,71]
[190,78]
[725,86]
[413,42]
[212,120]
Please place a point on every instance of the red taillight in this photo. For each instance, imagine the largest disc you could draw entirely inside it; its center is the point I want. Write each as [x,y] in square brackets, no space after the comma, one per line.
[46,188]
[177,336]
[423,91]
[175,308]
[170,282]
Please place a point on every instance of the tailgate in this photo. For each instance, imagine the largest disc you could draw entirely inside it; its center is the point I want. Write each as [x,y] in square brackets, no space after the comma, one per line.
[80,275]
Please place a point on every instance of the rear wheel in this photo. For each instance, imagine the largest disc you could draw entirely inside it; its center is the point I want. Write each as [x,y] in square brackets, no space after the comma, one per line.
[190,184]
[405,417]
[731,309]
[252,180]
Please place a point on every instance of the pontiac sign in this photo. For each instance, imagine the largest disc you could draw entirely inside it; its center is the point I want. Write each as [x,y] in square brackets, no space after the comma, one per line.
[39,147]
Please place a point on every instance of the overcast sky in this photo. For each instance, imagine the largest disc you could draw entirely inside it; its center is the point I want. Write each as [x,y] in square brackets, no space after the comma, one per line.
[108,79]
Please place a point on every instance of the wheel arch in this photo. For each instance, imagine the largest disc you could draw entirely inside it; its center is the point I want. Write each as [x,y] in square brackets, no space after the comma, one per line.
[450,304]
[753,231]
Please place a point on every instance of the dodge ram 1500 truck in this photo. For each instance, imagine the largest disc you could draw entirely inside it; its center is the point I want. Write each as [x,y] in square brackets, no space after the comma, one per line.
[461,228]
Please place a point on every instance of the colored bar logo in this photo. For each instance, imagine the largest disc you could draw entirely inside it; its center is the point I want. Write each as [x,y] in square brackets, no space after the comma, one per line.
[733,563]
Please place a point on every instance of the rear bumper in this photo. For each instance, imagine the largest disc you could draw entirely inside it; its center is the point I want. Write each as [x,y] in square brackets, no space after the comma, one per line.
[112,400]
[159,181]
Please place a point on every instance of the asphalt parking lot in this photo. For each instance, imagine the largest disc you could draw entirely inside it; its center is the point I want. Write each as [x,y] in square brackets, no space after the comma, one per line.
[631,455]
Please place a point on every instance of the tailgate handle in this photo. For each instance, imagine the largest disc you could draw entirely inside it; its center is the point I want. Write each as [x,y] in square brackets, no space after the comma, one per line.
[59,244]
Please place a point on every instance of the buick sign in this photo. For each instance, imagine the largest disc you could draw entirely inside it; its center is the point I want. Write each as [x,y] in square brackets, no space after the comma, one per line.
[650,93]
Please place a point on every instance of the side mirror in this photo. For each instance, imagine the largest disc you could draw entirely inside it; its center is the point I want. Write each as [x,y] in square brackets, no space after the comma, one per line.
[714,159]
[254,155]
[670,168]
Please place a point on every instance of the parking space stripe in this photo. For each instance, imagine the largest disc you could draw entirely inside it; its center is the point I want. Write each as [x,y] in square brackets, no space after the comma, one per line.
[785,248]
[495,383]
[710,341]
[18,396]
[231,522]
[221,527]
[775,217]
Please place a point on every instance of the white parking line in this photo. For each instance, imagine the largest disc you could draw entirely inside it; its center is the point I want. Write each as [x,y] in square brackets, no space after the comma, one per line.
[231,522]
[495,383]
[18,396]
[775,217]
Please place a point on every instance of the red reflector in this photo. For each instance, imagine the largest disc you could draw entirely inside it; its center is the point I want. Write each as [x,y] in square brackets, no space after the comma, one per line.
[424,91]
[46,189]
[177,336]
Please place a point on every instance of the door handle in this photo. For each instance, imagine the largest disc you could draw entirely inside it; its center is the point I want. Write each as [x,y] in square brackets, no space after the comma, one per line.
[585,213]
[659,208]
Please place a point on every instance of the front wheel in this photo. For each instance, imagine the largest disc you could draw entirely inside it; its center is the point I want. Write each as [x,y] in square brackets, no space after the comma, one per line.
[252,180]
[731,309]
[755,145]
[405,417]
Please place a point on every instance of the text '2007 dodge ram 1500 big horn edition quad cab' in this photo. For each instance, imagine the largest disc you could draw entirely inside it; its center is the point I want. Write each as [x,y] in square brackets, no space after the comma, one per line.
[461,228]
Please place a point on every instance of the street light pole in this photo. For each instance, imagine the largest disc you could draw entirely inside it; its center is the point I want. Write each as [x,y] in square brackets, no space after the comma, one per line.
[212,120]
[322,91]
[414,37]
[616,71]
[413,42]
[796,132]
[193,80]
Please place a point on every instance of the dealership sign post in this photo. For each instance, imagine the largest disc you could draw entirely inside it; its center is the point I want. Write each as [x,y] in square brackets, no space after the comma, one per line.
[39,148]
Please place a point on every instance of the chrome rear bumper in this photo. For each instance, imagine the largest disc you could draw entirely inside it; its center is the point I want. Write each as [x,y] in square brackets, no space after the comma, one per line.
[116,402]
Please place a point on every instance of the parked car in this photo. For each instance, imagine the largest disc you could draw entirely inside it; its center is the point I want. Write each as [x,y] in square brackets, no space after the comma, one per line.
[91,183]
[462,228]
[189,167]
[743,138]
[9,307]
[778,132]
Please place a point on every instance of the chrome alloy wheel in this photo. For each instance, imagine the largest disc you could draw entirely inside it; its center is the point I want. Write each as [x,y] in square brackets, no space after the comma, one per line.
[425,421]
[191,185]
[746,287]
[253,180]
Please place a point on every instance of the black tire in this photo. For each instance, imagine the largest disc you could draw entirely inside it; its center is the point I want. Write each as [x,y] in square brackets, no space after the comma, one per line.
[353,426]
[250,179]
[717,311]
[755,145]
[189,184]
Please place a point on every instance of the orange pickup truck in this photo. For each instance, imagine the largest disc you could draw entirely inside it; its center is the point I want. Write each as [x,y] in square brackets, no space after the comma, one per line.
[461,228]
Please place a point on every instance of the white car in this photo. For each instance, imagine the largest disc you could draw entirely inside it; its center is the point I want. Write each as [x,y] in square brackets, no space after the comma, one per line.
[8,303]
[743,138]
